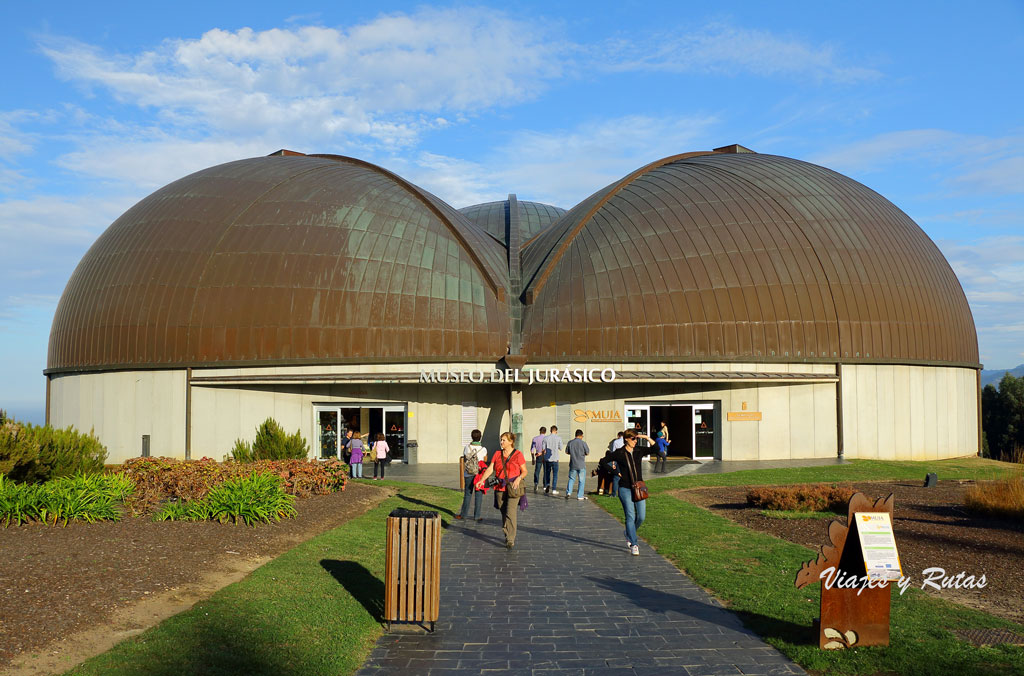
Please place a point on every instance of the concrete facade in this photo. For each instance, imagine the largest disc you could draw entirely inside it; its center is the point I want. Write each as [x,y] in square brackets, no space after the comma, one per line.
[887,411]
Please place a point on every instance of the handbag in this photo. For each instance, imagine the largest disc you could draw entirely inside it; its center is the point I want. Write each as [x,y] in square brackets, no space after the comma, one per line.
[639,488]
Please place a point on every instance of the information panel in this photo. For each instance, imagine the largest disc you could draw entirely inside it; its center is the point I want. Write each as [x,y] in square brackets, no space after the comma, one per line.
[878,544]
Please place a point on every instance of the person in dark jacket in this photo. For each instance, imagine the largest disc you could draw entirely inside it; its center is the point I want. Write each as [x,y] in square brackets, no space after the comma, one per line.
[606,469]
[629,458]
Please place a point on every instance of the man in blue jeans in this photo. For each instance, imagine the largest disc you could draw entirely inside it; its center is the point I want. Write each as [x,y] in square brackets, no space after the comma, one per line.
[537,454]
[472,455]
[552,447]
[578,452]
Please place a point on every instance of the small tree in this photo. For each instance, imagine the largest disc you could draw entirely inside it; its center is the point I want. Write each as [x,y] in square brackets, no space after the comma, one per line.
[271,443]
[19,451]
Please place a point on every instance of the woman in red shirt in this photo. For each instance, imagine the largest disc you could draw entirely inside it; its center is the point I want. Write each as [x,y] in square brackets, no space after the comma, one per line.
[509,466]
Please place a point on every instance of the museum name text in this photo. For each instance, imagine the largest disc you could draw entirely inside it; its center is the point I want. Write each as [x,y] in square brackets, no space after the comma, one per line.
[526,376]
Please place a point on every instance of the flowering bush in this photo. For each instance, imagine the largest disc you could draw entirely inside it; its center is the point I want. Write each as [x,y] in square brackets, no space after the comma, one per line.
[161,479]
[801,498]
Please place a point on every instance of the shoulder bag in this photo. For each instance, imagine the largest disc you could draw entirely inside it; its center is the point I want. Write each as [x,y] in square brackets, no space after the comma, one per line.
[639,487]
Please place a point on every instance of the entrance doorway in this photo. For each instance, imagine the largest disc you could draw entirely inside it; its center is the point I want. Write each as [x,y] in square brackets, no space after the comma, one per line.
[333,422]
[691,426]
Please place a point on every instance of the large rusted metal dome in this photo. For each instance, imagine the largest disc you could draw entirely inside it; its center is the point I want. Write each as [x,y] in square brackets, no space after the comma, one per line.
[284,259]
[735,255]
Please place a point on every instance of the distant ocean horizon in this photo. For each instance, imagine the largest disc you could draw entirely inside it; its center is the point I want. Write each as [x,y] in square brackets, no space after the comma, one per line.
[26,413]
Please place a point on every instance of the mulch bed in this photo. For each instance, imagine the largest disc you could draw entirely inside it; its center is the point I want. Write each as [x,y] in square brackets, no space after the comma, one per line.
[56,581]
[932,530]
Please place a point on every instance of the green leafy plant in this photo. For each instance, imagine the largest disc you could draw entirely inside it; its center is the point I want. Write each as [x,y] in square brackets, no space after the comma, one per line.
[82,497]
[259,497]
[19,503]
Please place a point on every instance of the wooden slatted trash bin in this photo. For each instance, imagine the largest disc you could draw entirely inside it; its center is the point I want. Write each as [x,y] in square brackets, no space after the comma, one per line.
[412,576]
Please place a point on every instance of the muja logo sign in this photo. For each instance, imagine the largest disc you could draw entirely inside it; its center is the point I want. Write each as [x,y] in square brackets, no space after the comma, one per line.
[596,416]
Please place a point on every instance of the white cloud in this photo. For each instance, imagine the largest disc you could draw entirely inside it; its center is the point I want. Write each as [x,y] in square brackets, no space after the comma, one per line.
[991,271]
[979,164]
[560,167]
[384,80]
[719,48]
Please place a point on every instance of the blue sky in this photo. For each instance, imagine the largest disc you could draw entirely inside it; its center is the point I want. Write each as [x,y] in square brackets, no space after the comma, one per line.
[103,103]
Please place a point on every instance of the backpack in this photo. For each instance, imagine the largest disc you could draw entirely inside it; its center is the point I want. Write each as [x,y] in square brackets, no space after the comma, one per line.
[471,456]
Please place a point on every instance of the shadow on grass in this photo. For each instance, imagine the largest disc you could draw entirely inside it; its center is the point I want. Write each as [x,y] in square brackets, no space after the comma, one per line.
[424,503]
[363,585]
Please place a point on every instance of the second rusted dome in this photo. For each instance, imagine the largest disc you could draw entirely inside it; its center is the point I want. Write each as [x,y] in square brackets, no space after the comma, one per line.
[741,256]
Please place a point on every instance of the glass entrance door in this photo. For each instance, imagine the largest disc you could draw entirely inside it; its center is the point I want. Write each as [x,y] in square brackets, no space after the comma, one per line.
[704,431]
[332,423]
[638,417]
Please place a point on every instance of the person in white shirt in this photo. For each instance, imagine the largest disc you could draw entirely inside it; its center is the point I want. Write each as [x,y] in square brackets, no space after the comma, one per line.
[472,455]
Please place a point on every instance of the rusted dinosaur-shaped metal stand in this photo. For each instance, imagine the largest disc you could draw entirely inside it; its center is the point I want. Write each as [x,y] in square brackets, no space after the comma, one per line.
[847,618]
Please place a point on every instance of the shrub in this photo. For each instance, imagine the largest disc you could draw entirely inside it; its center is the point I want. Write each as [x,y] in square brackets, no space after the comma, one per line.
[256,498]
[801,498]
[67,452]
[242,451]
[19,451]
[1003,498]
[159,480]
[272,443]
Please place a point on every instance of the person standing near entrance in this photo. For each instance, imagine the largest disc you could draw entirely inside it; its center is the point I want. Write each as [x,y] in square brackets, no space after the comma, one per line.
[379,453]
[509,466]
[472,455]
[578,452]
[630,461]
[355,464]
[552,447]
[662,442]
[537,455]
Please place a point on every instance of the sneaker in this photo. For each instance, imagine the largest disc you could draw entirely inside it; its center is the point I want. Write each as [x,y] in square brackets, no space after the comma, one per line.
[635,550]
[583,498]
[535,488]
[566,496]
[458,517]
[547,489]
[554,492]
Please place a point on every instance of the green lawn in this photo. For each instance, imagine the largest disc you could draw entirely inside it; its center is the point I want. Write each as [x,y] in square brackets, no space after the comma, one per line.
[313,610]
[754,573]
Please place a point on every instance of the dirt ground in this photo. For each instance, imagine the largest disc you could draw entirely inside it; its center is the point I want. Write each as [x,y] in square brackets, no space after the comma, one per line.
[932,530]
[69,593]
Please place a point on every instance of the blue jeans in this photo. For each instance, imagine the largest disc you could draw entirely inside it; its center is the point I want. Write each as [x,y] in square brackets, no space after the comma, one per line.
[536,471]
[356,470]
[477,497]
[550,467]
[635,513]
[615,484]
[574,474]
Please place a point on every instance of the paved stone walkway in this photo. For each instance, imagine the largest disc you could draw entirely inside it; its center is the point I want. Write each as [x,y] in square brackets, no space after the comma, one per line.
[569,599]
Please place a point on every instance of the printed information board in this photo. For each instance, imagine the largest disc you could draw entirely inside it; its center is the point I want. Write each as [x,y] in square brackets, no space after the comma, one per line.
[878,544]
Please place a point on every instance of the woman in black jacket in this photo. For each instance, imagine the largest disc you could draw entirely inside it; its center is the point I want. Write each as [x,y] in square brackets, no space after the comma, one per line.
[629,458]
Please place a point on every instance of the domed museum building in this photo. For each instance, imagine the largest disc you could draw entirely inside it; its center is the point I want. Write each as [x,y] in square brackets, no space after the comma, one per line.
[763,307]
